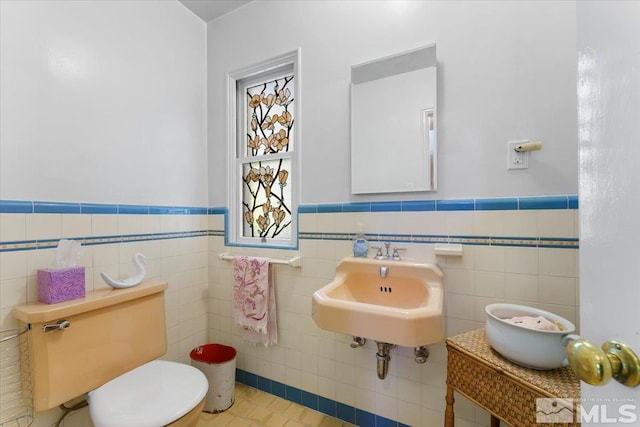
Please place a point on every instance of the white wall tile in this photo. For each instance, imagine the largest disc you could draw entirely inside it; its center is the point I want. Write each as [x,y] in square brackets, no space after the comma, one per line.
[216,222]
[409,390]
[104,225]
[307,223]
[345,393]
[13,292]
[522,287]
[460,281]
[460,306]
[460,223]
[489,258]
[521,260]
[521,223]
[489,223]
[465,262]
[556,223]
[12,227]
[387,406]
[13,265]
[490,284]
[76,226]
[558,262]
[432,223]
[408,413]
[306,357]
[558,290]
[43,226]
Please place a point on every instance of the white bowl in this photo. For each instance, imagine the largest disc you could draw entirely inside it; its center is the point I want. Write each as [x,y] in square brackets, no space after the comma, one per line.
[527,347]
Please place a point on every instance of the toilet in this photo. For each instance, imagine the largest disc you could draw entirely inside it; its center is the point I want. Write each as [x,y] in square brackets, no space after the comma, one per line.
[105,346]
[154,394]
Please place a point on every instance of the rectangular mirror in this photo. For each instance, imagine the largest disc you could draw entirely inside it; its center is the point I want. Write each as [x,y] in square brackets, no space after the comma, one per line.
[393,123]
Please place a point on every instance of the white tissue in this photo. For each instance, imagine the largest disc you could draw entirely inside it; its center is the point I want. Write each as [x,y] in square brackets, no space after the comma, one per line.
[68,253]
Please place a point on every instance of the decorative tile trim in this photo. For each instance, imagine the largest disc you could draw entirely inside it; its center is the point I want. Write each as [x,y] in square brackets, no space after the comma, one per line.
[549,202]
[96,208]
[56,207]
[502,203]
[15,206]
[533,242]
[510,203]
[316,402]
[28,245]
[20,206]
[506,204]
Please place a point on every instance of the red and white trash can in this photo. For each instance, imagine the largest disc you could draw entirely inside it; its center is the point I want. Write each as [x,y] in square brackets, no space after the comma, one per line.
[218,363]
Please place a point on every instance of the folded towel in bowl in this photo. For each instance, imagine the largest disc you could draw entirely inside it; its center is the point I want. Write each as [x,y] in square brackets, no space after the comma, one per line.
[540,323]
[255,300]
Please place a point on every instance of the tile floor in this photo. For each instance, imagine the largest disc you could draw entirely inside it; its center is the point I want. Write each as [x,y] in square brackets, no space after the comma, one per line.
[253,408]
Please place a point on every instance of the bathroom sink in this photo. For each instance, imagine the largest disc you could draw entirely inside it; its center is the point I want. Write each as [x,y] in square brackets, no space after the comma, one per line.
[397,302]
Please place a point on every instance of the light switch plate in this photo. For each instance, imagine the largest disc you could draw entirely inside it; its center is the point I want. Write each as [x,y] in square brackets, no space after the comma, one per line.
[516,160]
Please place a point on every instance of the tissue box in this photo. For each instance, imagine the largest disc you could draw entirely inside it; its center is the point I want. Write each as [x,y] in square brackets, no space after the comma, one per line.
[61,284]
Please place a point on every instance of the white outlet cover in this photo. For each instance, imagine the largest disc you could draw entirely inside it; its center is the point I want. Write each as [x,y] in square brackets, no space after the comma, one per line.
[516,160]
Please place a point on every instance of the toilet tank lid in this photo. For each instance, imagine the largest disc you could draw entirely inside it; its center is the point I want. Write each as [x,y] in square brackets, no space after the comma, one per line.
[38,312]
[154,394]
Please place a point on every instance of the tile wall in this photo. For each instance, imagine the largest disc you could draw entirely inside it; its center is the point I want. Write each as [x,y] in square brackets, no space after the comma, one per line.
[174,240]
[522,250]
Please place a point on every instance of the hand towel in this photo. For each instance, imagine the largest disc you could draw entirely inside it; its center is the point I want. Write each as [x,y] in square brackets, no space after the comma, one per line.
[255,299]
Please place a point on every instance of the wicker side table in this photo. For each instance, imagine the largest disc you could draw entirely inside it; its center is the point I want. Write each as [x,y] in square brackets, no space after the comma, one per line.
[507,391]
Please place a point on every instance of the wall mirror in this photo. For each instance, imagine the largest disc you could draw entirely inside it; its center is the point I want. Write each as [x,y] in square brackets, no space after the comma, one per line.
[393,123]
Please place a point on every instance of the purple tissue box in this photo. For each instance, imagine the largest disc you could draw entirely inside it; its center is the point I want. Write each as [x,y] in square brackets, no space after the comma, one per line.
[60,284]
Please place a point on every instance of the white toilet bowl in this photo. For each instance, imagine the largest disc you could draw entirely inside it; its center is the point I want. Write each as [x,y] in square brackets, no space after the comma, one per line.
[158,393]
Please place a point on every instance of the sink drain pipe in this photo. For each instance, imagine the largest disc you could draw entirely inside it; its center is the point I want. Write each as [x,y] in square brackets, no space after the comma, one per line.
[383,357]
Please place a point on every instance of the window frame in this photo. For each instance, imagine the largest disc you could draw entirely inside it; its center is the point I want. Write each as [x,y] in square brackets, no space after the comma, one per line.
[237,82]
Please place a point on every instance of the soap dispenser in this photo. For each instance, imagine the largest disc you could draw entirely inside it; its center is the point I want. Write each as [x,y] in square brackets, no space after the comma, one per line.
[360,244]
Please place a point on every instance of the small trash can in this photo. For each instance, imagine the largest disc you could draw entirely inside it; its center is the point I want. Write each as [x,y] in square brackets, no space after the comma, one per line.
[218,363]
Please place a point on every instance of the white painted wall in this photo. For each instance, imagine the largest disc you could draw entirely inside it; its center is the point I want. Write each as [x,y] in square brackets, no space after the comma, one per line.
[506,72]
[609,101]
[102,101]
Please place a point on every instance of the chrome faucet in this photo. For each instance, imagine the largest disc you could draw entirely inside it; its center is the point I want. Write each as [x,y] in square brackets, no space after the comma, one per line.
[384,270]
[395,256]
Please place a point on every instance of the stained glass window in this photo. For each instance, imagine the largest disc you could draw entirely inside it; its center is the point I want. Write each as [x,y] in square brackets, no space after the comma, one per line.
[267,163]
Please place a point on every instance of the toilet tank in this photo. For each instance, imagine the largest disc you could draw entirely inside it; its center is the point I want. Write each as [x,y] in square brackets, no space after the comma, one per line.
[110,332]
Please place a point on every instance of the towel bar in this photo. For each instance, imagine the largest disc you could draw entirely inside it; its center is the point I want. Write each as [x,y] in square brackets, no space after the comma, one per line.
[293,262]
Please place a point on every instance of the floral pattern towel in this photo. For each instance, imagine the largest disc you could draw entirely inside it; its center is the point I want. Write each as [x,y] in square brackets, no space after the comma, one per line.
[254,300]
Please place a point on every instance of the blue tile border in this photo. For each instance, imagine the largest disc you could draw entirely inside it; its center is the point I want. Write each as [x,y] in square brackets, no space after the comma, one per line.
[419,206]
[386,207]
[15,206]
[455,205]
[507,203]
[21,206]
[97,208]
[310,400]
[333,408]
[448,205]
[330,208]
[346,413]
[356,207]
[56,207]
[547,202]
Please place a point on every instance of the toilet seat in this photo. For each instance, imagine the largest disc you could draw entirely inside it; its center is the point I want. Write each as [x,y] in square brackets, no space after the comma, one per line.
[152,395]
